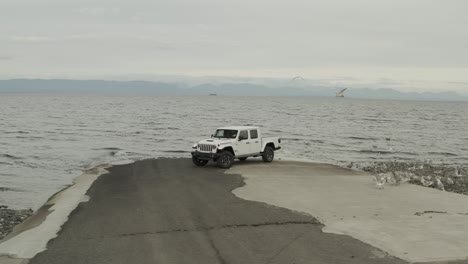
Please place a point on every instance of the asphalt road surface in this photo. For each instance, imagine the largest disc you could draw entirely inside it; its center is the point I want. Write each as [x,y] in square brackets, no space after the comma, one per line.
[169,211]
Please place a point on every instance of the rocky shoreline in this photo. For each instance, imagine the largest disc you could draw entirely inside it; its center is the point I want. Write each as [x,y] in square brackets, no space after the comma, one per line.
[439,176]
[9,218]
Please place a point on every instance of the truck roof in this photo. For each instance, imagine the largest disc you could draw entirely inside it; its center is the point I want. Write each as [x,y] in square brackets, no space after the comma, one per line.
[239,127]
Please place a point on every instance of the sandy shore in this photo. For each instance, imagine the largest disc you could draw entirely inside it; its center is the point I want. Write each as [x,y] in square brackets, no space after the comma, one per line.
[169,211]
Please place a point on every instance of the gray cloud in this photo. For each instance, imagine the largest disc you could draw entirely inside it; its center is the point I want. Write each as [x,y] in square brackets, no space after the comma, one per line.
[418,41]
[31,39]
[99,11]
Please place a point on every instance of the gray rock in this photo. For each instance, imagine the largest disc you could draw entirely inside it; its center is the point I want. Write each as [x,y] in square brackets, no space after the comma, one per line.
[453,179]
[9,218]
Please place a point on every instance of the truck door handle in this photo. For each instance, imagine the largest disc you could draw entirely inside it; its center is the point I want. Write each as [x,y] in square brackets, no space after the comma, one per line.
[247,142]
[256,141]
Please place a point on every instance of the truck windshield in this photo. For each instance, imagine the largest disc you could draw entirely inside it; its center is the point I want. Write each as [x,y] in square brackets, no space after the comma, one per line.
[225,133]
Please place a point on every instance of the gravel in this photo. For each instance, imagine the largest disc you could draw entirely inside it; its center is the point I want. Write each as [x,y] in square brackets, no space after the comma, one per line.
[452,179]
[9,218]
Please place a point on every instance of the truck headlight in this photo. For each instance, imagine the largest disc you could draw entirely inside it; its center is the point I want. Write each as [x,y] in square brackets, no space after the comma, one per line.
[195,146]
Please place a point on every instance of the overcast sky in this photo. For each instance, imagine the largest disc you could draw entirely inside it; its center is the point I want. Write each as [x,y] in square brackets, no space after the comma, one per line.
[405,44]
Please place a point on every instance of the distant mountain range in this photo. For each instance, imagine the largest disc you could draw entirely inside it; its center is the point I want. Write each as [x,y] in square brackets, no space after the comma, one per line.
[58,86]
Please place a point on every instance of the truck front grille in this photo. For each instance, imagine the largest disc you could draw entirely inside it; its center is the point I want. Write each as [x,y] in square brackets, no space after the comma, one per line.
[206,147]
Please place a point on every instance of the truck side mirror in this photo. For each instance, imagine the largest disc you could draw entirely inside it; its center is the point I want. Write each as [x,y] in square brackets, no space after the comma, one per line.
[212,136]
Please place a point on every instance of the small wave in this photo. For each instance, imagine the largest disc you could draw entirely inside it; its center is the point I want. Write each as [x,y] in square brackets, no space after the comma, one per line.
[407,153]
[137,154]
[377,120]
[385,152]
[109,148]
[363,138]
[153,139]
[175,151]
[443,154]
[26,164]
[157,139]
[337,145]
[376,151]
[6,163]
[403,158]
[316,141]
[292,139]
[309,141]
[7,189]
[61,132]
[119,153]
[154,123]
[9,156]
[306,140]
[29,137]
[173,128]
[16,132]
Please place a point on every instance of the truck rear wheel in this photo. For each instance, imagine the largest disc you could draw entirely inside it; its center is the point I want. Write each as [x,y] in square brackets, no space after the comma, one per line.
[268,154]
[225,160]
[199,162]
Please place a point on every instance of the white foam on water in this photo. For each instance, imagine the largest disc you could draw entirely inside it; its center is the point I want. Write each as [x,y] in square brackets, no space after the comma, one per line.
[122,162]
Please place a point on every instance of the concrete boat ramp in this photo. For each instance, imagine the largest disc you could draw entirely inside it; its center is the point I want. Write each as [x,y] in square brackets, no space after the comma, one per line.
[168,211]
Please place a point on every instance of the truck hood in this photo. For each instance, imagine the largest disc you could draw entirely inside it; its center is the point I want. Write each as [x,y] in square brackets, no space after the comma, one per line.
[215,141]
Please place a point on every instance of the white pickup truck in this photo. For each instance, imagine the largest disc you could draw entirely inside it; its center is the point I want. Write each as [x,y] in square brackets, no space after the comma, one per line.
[236,142]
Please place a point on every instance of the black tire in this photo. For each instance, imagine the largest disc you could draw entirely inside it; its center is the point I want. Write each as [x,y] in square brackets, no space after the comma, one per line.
[243,159]
[225,160]
[268,154]
[199,162]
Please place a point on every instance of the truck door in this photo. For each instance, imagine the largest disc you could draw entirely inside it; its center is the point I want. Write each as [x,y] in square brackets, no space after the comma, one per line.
[255,141]
[243,143]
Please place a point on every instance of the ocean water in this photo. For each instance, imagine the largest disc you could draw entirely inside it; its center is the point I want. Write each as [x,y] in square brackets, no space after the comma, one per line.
[47,140]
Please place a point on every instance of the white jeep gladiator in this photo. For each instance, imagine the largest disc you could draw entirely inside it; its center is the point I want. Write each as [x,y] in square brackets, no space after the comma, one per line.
[236,142]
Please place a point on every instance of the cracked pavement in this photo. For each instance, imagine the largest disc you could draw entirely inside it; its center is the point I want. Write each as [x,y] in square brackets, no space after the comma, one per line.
[168,211]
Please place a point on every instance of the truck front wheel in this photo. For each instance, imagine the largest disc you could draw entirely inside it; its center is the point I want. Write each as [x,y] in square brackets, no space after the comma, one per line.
[199,162]
[268,154]
[225,160]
